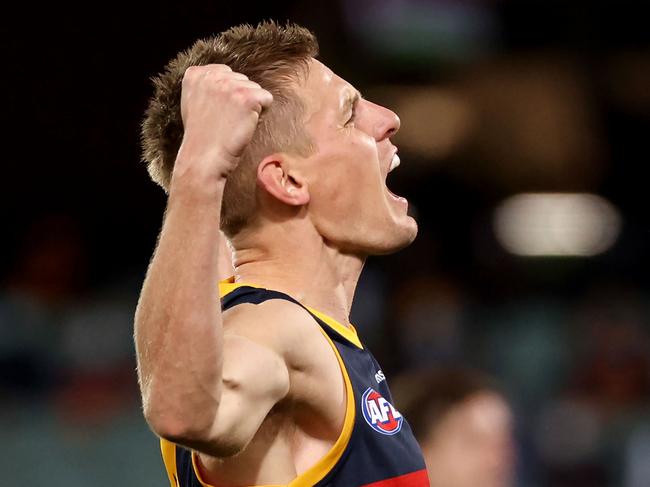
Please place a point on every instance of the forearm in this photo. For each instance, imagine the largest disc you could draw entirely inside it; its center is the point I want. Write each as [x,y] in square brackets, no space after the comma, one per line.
[178,333]
[178,320]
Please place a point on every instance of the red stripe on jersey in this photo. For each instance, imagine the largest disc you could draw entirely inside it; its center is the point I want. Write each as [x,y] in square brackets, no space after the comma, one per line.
[419,478]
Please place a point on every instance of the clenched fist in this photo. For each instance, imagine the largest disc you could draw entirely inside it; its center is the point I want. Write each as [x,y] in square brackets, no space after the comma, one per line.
[220,111]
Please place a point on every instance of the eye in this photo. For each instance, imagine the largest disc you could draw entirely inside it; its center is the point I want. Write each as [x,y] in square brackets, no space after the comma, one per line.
[351,119]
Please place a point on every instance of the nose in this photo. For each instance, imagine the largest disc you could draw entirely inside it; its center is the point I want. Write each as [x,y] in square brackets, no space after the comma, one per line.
[387,123]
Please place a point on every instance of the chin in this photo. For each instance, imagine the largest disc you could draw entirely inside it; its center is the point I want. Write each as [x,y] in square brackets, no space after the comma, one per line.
[379,238]
[401,235]
[408,234]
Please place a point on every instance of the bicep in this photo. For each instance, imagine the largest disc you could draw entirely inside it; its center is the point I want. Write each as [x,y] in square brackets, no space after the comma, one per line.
[255,378]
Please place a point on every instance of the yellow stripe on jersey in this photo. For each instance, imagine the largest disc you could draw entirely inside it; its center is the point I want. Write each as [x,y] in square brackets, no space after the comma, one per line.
[349,334]
[168,450]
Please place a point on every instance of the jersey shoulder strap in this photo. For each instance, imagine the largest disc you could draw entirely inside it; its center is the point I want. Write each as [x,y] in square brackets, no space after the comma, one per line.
[257,295]
[254,295]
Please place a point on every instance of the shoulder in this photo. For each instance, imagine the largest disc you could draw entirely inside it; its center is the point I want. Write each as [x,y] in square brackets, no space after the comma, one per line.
[314,373]
[276,323]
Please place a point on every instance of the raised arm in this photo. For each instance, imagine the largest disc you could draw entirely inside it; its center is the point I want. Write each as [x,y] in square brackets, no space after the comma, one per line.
[178,322]
[225,267]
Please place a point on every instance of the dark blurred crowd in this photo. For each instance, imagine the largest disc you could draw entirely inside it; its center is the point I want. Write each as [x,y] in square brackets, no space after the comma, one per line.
[69,401]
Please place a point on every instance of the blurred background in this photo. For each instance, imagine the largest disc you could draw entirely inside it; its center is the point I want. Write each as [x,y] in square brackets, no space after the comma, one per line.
[524,152]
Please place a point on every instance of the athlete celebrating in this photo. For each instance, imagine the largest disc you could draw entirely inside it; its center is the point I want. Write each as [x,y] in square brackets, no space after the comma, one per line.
[251,135]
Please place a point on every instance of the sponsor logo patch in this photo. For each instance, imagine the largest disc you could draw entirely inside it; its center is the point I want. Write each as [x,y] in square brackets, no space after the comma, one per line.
[379,376]
[380,414]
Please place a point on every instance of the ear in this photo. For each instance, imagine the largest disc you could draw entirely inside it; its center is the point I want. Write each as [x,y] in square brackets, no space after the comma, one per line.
[277,177]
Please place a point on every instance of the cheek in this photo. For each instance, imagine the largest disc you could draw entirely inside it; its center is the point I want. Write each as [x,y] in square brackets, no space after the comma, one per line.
[347,175]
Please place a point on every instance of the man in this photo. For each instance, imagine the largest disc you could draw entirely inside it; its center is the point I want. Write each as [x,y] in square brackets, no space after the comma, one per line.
[463,423]
[250,134]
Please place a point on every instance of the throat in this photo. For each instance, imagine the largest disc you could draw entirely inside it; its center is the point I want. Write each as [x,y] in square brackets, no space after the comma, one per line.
[301,263]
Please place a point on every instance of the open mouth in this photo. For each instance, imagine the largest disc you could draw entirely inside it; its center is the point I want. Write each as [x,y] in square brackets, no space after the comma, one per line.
[395,161]
[397,197]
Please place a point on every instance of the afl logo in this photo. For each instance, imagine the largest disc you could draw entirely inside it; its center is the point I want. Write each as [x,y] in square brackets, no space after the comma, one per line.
[380,414]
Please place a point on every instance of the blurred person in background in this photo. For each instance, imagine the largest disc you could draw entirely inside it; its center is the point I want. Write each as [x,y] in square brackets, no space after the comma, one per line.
[464,425]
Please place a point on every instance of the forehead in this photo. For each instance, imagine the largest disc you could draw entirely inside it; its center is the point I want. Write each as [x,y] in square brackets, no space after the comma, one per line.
[323,89]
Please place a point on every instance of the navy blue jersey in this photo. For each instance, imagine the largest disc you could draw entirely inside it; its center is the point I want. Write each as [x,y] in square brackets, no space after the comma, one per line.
[376,447]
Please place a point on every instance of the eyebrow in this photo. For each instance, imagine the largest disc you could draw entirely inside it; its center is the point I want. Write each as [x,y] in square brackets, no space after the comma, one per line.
[351,99]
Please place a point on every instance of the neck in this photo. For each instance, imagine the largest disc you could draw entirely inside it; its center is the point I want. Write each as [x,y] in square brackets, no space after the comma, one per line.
[302,265]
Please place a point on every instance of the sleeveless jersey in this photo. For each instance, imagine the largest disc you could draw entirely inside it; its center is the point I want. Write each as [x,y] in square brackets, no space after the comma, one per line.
[375,448]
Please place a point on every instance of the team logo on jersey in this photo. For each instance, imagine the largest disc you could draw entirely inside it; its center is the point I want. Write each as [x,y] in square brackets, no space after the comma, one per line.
[379,413]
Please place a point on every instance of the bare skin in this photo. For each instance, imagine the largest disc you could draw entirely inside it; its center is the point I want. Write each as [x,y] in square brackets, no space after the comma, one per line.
[257,390]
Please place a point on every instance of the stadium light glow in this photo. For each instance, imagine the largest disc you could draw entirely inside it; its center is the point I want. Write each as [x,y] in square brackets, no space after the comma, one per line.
[556,224]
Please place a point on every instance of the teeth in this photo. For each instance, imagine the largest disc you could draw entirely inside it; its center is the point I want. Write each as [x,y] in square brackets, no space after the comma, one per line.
[394,162]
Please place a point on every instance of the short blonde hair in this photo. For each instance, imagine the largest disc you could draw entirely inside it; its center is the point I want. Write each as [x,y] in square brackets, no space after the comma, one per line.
[272,55]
